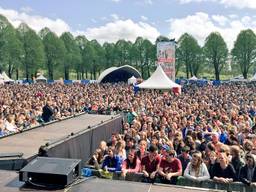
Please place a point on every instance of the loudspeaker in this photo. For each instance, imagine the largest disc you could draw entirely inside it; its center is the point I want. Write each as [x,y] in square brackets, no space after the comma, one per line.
[51,172]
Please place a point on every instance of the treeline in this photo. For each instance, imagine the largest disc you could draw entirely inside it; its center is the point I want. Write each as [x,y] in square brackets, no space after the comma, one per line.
[23,53]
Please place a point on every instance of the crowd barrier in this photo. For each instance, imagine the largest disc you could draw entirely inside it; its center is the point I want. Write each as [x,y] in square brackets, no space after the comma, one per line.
[182,181]
[81,145]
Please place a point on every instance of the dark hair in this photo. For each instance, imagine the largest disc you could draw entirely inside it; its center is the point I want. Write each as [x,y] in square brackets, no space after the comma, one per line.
[172,152]
[153,148]
[129,164]
[211,146]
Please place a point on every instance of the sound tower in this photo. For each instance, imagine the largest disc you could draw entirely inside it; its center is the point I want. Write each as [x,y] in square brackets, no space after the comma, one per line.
[51,172]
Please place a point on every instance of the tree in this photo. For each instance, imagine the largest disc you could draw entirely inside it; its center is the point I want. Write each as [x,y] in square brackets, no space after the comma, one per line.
[34,56]
[109,49]
[138,46]
[11,50]
[72,56]
[244,51]
[188,54]
[55,51]
[97,57]
[82,43]
[149,56]
[216,52]
[122,52]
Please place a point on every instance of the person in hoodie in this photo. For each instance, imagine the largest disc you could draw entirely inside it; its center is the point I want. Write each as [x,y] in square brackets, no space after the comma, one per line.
[247,172]
[112,162]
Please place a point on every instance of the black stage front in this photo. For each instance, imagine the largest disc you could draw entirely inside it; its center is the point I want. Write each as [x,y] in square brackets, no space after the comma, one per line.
[72,138]
[9,183]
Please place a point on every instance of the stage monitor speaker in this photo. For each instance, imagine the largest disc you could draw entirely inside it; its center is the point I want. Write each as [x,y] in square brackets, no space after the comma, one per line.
[51,172]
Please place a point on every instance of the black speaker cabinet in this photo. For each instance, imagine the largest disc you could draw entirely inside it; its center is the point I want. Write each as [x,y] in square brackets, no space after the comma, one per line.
[47,171]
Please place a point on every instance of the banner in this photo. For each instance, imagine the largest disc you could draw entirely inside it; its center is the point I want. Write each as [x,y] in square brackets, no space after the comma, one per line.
[166,58]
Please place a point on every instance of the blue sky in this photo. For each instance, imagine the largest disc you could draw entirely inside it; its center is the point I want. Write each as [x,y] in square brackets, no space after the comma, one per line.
[110,20]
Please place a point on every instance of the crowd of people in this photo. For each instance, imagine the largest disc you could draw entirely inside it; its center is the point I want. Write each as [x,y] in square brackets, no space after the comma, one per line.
[26,106]
[204,132]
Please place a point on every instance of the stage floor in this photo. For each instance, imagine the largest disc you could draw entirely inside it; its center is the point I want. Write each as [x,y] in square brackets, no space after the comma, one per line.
[9,182]
[30,141]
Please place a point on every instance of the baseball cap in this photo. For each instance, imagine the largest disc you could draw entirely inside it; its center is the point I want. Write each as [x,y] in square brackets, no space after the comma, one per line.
[185,149]
[166,147]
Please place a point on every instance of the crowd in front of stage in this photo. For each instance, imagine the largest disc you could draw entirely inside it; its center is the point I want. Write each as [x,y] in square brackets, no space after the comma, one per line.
[205,132]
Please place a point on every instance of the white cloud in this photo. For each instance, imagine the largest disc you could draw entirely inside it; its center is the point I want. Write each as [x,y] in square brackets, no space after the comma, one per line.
[220,19]
[200,25]
[26,9]
[116,1]
[114,16]
[240,4]
[122,29]
[144,18]
[35,22]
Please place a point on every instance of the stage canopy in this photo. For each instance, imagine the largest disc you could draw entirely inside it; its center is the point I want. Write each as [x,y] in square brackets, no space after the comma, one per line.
[159,80]
[118,74]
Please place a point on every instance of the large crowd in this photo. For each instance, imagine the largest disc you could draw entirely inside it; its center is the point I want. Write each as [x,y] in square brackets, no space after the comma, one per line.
[205,132]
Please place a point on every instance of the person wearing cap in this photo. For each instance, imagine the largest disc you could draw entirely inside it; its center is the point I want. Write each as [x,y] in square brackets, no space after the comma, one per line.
[215,141]
[164,150]
[184,157]
[170,168]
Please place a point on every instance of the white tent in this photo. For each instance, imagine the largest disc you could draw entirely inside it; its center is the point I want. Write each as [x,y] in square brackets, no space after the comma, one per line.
[194,78]
[6,78]
[1,79]
[132,80]
[41,79]
[239,78]
[158,80]
[254,77]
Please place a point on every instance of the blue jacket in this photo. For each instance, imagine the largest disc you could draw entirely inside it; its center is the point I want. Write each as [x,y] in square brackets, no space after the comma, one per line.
[113,164]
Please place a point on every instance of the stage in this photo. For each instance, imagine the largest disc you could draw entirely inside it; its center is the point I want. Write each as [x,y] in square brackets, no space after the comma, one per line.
[9,182]
[57,134]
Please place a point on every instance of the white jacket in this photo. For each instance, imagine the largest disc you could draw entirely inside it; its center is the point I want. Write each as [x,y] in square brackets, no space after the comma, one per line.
[203,173]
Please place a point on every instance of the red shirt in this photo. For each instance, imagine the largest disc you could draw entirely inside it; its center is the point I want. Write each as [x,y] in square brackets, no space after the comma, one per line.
[171,167]
[150,166]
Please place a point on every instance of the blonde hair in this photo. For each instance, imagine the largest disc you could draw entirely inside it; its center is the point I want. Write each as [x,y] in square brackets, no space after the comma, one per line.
[196,167]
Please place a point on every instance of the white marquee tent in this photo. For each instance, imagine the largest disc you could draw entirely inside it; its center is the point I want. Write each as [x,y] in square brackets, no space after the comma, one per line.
[1,79]
[194,78]
[254,77]
[41,79]
[159,80]
[239,78]
[6,78]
